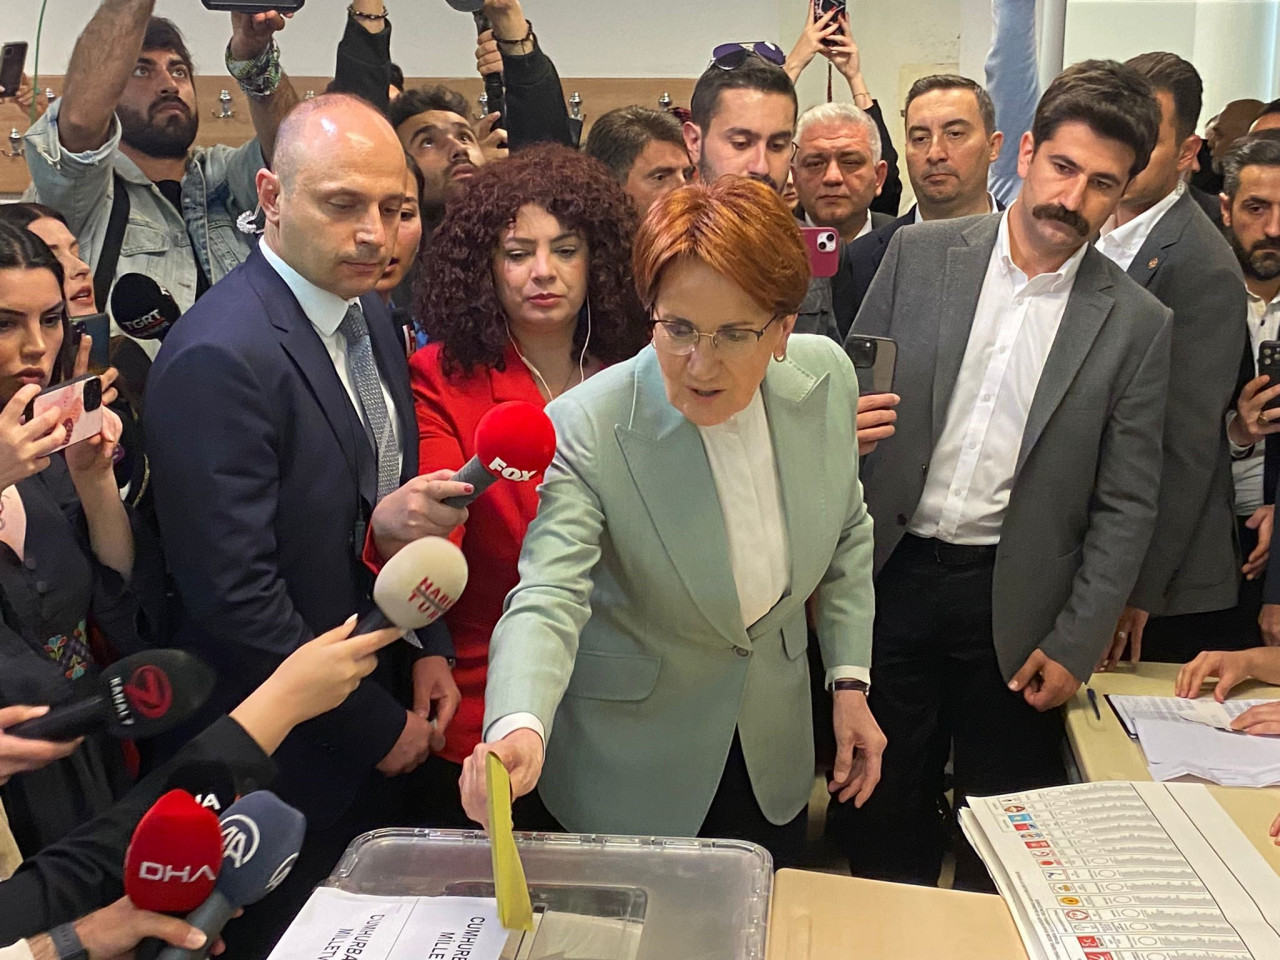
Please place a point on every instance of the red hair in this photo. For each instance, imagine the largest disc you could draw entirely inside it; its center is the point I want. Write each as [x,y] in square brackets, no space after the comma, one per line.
[738,227]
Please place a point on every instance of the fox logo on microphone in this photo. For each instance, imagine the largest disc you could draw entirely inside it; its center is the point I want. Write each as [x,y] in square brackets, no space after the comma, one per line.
[499,467]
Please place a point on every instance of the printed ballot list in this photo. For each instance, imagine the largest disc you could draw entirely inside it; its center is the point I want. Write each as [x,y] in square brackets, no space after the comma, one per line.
[1127,871]
[335,925]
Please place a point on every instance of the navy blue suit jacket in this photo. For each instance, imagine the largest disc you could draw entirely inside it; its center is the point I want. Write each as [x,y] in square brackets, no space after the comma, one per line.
[264,482]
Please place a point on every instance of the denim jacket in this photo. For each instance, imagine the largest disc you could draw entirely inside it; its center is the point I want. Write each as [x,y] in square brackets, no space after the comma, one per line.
[217,188]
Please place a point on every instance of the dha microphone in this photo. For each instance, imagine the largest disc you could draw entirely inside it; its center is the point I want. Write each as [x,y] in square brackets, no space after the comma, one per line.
[416,586]
[514,441]
[142,308]
[261,837]
[174,857]
[138,697]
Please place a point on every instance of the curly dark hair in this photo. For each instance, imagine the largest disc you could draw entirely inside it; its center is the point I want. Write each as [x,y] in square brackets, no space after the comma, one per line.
[456,300]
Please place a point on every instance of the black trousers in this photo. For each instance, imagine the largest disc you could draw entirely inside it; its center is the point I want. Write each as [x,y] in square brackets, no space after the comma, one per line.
[935,683]
[734,815]
[1179,639]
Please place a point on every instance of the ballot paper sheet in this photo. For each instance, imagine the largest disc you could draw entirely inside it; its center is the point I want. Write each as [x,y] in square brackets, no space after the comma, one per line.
[1182,737]
[335,925]
[1127,871]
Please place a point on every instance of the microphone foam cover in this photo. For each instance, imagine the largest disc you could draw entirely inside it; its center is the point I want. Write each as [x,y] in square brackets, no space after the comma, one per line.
[210,782]
[518,434]
[153,691]
[261,837]
[142,307]
[421,582]
[174,857]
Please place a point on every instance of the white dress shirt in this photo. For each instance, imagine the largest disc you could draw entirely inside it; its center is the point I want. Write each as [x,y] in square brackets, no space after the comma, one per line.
[740,453]
[1263,322]
[972,469]
[1121,244]
[992,207]
[326,310]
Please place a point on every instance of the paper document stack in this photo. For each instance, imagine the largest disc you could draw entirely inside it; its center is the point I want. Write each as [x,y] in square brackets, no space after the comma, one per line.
[1127,871]
[1193,737]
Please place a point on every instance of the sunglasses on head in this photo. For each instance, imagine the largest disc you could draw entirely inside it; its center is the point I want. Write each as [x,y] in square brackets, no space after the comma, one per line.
[730,56]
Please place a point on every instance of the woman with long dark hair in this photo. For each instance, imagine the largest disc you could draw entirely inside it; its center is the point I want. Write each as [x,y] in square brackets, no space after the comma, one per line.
[526,291]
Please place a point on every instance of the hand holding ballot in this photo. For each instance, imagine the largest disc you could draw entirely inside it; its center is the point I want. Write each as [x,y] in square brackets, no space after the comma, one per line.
[520,752]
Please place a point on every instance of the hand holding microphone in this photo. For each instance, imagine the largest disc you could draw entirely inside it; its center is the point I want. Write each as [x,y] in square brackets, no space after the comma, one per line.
[22,755]
[175,855]
[261,837]
[138,697]
[514,441]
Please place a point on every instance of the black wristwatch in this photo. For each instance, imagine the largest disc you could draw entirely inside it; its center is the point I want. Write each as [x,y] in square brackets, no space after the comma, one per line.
[67,943]
[858,686]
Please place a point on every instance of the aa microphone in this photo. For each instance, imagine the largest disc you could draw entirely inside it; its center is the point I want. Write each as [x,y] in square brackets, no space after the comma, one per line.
[416,586]
[261,837]
[138,697]
[142,308]
[174,857]
[514,441]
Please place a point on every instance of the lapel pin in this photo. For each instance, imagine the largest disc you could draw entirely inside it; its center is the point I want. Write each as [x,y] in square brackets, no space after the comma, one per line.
[1152,264]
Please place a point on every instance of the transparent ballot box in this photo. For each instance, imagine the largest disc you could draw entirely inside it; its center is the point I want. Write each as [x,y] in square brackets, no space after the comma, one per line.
[594,898]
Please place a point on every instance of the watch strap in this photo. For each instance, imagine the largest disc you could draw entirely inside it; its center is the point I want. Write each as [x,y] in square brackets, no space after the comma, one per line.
[67,943]
[858,686]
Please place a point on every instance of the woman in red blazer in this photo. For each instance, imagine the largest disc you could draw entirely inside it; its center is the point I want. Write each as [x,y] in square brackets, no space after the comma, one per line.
[526,291]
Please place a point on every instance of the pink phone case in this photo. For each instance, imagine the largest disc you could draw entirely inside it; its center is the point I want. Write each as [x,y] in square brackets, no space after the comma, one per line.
[824,250]
[70,399]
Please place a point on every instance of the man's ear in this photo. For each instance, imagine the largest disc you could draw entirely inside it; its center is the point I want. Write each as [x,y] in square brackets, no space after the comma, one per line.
[1188,152]
[1026,150]
[693,141]
[269,191]
[994,144]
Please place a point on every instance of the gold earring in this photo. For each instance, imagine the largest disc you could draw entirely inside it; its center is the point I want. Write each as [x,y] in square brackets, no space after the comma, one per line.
[778,358]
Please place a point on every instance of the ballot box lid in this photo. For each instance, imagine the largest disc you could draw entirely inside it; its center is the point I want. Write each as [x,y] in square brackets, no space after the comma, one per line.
[653,897]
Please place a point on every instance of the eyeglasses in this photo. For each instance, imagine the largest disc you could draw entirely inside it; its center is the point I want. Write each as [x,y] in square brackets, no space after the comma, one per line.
[680,338]
[730,56]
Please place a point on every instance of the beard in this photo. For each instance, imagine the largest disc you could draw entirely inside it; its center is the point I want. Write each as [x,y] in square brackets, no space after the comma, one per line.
[1261,261]
[708,175]
[170,138]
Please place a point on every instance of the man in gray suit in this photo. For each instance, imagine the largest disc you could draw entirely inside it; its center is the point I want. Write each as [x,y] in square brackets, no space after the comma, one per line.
[1161,238]
[1014,506]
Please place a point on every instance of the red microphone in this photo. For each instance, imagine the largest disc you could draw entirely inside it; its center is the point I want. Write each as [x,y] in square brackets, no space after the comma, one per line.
[175,855]
[514,441]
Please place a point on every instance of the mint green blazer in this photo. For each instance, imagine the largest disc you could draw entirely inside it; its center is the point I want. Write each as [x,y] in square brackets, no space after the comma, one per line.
[624,636]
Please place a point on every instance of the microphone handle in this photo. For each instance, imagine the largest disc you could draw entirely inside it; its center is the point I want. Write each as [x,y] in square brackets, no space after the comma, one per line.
[63,723]
[375,619]
[494,88]
[211,916]
[475,474]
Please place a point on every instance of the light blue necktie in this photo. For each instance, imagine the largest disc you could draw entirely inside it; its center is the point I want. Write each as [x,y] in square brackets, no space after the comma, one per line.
[363,373]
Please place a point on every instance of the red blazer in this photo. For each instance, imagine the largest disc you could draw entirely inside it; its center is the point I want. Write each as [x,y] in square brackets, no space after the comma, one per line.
[448,409]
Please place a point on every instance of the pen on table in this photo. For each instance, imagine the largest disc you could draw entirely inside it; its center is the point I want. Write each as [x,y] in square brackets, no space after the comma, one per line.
[1093,702]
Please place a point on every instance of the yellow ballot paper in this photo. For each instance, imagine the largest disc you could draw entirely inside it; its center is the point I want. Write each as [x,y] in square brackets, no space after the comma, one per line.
[515,911]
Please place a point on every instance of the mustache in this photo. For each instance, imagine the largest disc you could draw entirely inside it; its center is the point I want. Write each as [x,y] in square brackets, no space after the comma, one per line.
[161,102]
[1267,243]
[1056,211]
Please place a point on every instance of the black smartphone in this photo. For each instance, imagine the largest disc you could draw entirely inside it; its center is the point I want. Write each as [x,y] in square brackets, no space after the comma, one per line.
[820,9]
[874,360]
[13,61]
[97,326]
[1269,363]
[254,6]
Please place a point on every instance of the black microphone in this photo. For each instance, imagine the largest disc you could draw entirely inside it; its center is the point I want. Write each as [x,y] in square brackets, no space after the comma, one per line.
[138,697]
[493,85]
[261,837]
[142,308]
[210,782]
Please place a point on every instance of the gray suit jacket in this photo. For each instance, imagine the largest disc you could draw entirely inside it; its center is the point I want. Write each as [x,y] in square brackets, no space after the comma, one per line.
[1083,503]
[1193,563]
[817,314]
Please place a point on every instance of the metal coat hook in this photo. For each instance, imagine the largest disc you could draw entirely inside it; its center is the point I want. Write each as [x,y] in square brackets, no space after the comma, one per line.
[575,106]
[15,144]
[224,103]
[483,100]
[664,101]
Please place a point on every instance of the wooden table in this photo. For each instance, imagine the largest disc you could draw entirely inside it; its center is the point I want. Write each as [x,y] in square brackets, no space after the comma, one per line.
[819,916]
[1104,751]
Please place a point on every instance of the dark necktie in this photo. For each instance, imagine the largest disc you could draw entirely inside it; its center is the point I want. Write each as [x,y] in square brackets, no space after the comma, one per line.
[363,373]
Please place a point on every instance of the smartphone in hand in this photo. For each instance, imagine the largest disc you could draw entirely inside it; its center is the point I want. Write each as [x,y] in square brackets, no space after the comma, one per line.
[820,8]
[79,400]
[254,6]
[824,250]
[13,61]
[874,360]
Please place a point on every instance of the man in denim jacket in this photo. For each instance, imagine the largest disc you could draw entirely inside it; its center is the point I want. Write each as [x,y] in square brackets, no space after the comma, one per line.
[128,118]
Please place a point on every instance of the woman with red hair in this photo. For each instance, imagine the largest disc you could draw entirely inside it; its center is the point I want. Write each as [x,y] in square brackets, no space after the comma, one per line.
[701,492]
[526,292]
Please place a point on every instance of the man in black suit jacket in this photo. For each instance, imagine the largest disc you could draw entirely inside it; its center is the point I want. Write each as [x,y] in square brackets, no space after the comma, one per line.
[284,448]
[1162,239]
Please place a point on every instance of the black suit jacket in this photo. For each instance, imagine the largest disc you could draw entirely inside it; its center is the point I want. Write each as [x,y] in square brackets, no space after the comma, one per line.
[859,262]
[264,482]
[1192,564]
